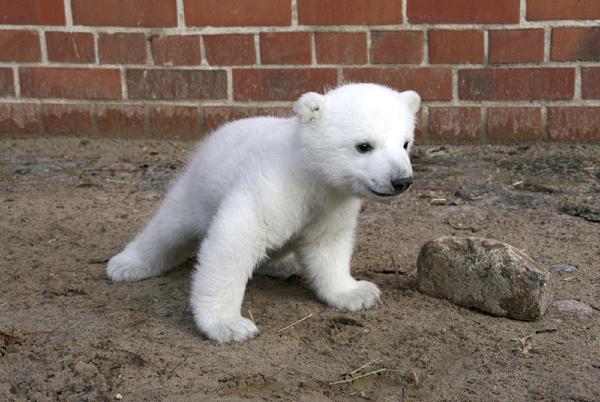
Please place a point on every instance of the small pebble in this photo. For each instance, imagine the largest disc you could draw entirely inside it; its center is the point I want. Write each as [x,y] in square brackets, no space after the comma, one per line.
[118,397]
[564,268]
[582,310]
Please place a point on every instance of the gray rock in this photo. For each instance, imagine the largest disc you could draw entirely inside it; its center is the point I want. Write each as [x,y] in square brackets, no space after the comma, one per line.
[582,310]
[484,274]
[564,268]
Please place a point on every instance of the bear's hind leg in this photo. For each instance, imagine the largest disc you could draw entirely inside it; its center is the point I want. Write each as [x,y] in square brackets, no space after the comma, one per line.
[166,241]
[280,266]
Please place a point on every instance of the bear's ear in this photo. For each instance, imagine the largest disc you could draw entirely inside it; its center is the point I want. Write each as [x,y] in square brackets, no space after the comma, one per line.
[412,99]
[310,107]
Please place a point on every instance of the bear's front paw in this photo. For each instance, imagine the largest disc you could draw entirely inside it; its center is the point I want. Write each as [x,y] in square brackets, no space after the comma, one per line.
[363,296]
[124,267]
[232,329]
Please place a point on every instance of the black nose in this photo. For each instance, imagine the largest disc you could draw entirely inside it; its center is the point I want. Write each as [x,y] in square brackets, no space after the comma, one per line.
[402,184]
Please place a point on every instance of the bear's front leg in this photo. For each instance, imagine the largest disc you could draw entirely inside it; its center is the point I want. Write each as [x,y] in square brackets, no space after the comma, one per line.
[325,253]
[233,247]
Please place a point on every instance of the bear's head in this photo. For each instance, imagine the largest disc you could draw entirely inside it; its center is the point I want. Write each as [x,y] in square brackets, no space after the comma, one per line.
[358,137]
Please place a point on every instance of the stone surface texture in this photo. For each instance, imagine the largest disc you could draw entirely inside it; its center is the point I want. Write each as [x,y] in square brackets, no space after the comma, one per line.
[484,274]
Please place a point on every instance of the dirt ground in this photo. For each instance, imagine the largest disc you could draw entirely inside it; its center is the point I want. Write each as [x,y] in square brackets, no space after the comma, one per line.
[67,333]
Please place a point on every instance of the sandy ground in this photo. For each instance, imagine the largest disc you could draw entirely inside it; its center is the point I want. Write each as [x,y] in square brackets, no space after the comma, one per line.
[67,333]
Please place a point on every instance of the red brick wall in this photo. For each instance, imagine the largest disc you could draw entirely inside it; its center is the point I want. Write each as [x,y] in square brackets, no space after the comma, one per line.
[488,70]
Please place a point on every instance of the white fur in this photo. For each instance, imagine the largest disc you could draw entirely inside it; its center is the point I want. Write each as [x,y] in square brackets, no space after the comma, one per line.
[279,194]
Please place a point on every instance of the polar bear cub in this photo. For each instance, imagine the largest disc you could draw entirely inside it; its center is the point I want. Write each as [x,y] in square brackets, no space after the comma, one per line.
[281,196]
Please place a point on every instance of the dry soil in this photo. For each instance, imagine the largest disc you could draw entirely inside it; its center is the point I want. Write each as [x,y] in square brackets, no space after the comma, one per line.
[67,333]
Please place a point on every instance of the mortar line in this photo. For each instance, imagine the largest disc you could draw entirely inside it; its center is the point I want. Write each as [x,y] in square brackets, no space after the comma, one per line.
[294,13]
[68,15]
[16,81]
[180,14]
[257,53]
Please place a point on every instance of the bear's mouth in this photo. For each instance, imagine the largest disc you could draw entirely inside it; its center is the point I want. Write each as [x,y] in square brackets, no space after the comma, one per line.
[377,193]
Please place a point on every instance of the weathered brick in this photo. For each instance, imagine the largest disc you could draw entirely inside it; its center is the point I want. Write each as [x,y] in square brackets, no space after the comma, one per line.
[516,84]
[516,46]
[576,44]
[455,124]
[175,121]
[432,83]
[563,10]
[341,47]
[590,83]
[275,111]
[20,118]
[125,13]
[20,46]
[70,47]
[32,12]
[285,48]
[349,12]
[76,83]
[176,50]
[280,84]
[68,119]
[515,123]
[237,12]
[176,84]
[122,48]
[397,47]
[455,47]
[216,116]
[7,82]
[230,50]
[574,123]
[463,11]
[115,119]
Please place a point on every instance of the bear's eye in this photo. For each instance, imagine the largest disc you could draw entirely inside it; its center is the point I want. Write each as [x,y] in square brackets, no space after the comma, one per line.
[406,145]
[364,147]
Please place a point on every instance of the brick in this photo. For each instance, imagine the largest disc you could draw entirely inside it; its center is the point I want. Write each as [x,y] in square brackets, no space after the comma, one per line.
[432,83]
[455,124]
[225,13]
[7,82]
[516,84]
[70,47]
[419,135]
[176,50]
[280,84]
[574,123]
[341,47]
[122,48]
[463,11]
[285,48]
[515,123]
[455,47]
[538,10]
[68,119]
[20,46]
[275,111]
[397,47]
[349,12]
[121,119]
[230,50]
[32,12]
[575,44]
[20,118]
[75,83]
[216,116]
[177,84]
[125,13]
[175,121]
[590,82]
[516,46]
